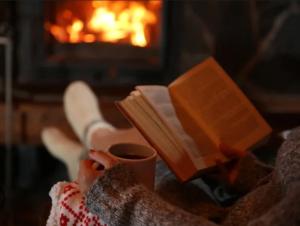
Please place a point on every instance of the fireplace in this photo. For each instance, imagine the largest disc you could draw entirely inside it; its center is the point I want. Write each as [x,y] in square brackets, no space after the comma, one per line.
[129,22]
[104,42]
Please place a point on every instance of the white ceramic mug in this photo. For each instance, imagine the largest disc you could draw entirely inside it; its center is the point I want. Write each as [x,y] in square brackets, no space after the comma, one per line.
[140,159]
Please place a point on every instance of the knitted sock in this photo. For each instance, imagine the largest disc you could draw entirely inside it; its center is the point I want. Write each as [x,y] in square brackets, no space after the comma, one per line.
[63,148]
[82,111]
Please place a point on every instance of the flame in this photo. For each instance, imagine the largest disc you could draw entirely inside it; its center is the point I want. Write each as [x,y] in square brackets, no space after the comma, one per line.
[110,21]
[74,31]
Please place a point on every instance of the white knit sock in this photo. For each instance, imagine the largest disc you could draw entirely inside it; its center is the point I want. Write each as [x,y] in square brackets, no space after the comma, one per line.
[95,126]
[81,109]
[63,148]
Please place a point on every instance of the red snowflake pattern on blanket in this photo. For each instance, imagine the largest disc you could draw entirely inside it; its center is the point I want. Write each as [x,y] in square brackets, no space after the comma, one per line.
[68,208]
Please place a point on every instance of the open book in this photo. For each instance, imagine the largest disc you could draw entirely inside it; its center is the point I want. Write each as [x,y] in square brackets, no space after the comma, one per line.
[187,121]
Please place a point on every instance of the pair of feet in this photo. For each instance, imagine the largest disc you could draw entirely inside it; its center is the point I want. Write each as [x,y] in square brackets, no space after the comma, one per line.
[83,113]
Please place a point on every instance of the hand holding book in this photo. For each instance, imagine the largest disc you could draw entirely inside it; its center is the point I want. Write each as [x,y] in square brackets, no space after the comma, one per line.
[228,172]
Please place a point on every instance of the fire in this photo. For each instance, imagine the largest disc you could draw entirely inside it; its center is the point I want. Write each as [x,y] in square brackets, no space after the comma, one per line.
[109,21]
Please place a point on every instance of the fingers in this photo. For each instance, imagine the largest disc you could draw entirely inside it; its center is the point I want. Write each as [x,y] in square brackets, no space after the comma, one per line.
[103,158]
[85,168]
[228,172]
[91,169]
[87,175]
[223,171]
[233,174]
[86,164]
[231,152]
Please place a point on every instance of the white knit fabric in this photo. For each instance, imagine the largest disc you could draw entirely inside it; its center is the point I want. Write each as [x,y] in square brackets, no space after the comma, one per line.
[68,207]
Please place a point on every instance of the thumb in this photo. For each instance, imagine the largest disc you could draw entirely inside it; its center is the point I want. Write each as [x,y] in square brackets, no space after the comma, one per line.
[104,158]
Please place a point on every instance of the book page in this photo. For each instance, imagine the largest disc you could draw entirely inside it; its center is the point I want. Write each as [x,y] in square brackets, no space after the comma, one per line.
[159,100]
[206,96]
[155,132]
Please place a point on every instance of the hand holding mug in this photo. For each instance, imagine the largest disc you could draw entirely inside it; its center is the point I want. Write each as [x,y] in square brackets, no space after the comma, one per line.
[91,169]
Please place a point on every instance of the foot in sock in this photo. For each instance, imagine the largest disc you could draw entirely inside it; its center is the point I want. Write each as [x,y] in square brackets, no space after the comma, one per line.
[63,148]
[82,111]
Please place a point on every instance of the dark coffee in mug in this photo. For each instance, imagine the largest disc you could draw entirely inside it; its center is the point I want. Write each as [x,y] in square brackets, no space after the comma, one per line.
[139,158]
[131,156]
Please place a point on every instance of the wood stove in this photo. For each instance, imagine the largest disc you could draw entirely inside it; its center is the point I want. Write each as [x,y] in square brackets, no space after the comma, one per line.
[104,42]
